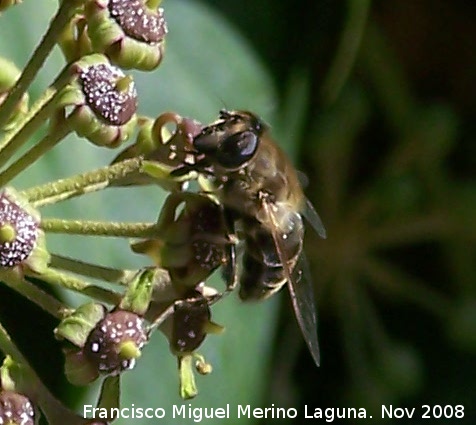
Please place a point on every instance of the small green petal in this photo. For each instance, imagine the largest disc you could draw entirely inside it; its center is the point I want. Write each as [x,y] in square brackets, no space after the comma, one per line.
[128,32]
[77,327]
[188,387]
[39,259]
[71,95]
[9,74]
[127,55]
[156,170]
[78,370]
[139,292]
[101,102]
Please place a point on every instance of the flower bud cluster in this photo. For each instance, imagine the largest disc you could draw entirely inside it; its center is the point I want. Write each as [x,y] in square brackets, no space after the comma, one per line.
[94,98]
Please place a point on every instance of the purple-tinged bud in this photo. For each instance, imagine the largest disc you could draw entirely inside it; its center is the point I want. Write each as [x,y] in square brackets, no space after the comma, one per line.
[128,32]
[166,144]
[100,342]
[16,409]
[191,322]
[21,239]
[115,343]
[189,325]
[194,244]
[174,149]
[18,232]
[103,101]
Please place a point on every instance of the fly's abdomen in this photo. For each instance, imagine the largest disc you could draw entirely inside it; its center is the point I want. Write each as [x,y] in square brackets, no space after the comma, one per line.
[264,261]
[258,280]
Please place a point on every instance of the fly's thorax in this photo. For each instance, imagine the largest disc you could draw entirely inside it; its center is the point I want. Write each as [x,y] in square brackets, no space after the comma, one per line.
[272,169]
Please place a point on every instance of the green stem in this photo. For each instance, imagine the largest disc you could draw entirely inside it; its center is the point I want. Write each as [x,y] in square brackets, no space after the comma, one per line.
[38,58]
[80,184]
[36,117]
[90,270]
[31,385]
[347,51]
[188,387]
[66,281]
[47,143]
[161,318]
[99,228]
[36,295]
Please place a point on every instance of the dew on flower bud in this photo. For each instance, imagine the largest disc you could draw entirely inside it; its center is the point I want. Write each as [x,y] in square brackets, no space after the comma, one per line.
[137,22]
[116,341]
[15,408]
[18,232]
[100,86]
[129,32]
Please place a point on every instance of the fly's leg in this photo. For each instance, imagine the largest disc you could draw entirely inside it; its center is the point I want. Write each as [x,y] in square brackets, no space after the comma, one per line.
[230,271]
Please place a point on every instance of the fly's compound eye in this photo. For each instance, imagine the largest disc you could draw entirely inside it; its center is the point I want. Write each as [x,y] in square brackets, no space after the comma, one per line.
[237,149]
[207,141]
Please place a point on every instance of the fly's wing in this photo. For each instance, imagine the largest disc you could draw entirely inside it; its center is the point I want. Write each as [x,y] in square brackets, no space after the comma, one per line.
[302,297]
[300,289]
[309,212]
[314,220]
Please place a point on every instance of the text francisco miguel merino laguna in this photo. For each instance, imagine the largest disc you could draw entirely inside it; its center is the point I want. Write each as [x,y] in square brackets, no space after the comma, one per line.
[183,411]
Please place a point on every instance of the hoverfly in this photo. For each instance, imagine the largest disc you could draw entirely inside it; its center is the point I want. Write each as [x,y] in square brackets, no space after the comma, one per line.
[260,190]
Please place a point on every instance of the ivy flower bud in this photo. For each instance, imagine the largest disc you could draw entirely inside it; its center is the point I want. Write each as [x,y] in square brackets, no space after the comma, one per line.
[74,40]
[128,32]
[116,341]
[16,409]
[9,75]
[190,325]
[190,321]
[22,242]
[193,244]
[164,150]
[204,250]
[103,101]
[175,148]
[100,342]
